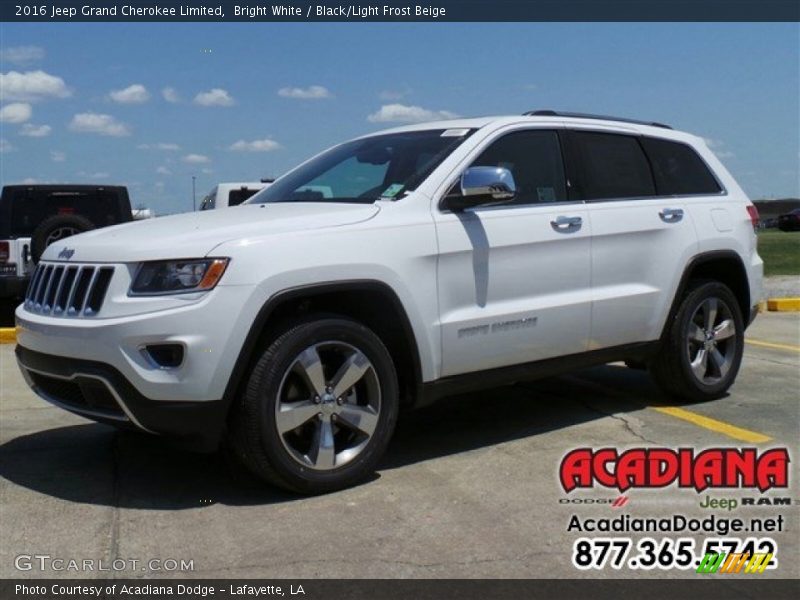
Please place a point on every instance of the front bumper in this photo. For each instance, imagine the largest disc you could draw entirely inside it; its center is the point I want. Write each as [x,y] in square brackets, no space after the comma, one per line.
[753,314]
[210,327]
[98,391]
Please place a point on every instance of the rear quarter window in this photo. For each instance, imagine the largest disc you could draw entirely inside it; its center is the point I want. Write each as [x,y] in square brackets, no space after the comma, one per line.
[678,170]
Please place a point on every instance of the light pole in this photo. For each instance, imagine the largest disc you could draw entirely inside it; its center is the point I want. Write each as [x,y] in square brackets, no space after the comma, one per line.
[194,195]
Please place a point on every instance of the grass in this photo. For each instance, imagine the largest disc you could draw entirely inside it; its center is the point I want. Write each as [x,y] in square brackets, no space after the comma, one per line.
[780,251]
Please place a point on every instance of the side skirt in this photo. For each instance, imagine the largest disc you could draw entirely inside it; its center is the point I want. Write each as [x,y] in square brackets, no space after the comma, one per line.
[481,380]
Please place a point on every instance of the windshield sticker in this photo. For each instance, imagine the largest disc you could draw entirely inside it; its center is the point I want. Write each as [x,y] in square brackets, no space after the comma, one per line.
[455,132]
[392,190]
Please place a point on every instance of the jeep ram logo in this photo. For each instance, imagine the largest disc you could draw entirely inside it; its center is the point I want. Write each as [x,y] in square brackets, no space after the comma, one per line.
[66,253]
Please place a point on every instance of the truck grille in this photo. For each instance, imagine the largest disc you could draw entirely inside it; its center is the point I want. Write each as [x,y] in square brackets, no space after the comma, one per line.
[68,290]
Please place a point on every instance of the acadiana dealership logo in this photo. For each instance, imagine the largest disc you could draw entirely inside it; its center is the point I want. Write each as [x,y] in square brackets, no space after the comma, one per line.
[661,467]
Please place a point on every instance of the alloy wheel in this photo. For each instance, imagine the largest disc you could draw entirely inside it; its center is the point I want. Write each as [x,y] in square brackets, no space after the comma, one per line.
[328,406]
[711,341]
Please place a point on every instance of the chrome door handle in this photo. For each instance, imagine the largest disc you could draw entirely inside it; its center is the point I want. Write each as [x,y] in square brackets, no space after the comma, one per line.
[567,224]
[671,215]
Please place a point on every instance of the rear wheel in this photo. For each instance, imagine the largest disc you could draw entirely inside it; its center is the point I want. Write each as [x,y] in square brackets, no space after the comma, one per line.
[702,352]
[319,409]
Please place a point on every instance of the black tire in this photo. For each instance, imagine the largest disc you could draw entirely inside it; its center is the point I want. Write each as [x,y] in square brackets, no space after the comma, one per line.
[672,369]
[254,437]
[40,238]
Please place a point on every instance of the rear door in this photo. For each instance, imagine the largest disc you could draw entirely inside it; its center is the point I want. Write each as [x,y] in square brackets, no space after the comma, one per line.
[640,240]
[513,279]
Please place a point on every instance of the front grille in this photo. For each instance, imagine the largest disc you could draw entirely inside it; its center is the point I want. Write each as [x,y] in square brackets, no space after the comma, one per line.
[68,290]
[82,394]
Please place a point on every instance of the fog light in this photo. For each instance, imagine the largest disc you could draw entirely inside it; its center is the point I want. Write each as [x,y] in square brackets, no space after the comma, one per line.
[165,356]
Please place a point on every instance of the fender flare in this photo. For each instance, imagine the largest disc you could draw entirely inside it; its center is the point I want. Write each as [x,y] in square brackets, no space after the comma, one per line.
[692,264]
[265,312]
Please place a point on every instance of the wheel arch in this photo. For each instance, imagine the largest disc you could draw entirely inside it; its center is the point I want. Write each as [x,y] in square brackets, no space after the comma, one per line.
[725,266]
[363,300]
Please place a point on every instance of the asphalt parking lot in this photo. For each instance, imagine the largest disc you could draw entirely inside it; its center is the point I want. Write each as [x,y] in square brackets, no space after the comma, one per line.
[468,489]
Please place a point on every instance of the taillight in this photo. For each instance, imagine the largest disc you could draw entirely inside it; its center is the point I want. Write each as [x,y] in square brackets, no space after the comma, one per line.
[4,252]
[754,218]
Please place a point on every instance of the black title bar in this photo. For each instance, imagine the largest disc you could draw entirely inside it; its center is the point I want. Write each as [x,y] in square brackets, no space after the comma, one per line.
[424,11]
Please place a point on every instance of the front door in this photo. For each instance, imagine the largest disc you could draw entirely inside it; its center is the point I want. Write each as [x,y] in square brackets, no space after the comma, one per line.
[514,279]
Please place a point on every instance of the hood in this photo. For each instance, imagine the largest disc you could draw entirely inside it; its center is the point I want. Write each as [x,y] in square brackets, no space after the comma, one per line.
[196,234]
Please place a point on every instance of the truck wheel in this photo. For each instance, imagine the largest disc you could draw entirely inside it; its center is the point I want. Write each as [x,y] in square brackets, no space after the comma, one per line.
[702,350]
[54,229]
[319,408]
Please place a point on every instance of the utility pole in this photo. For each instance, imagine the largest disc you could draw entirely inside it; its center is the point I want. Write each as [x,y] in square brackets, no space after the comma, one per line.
[194,195]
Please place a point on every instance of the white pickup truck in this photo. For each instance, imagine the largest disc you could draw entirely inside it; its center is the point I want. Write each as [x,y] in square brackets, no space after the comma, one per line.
[225,195]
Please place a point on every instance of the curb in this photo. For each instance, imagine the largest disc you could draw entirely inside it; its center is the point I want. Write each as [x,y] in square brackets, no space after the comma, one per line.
[783,304]
[8,335]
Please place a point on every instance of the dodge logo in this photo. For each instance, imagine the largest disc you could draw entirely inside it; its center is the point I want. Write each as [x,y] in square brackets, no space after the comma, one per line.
[66,253]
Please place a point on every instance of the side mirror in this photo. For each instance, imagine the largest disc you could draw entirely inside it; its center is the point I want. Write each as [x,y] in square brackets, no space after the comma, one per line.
[483,185]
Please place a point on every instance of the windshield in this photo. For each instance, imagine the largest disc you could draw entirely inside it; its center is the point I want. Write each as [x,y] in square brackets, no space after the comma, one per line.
[210,200]
[381,166]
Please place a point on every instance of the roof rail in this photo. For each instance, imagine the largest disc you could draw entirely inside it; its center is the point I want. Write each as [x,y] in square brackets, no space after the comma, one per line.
[553,113]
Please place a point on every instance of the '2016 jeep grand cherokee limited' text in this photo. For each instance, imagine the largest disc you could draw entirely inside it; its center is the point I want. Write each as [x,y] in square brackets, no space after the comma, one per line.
[394,269]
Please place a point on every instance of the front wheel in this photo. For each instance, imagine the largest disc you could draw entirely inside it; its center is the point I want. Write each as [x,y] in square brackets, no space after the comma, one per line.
[702,351]
[319,409]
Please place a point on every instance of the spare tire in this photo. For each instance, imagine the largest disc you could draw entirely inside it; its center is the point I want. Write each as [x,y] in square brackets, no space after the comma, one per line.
[54,229]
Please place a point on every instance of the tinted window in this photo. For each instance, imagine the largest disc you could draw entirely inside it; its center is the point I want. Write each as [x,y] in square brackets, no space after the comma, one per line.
[236,197]
[30,209]
[678,169]
[534,159]
[614,166]
[210,200]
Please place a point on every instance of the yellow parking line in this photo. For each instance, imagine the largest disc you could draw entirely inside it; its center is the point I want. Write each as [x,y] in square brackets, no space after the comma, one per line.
[732,431]
[8,335]
[790,347]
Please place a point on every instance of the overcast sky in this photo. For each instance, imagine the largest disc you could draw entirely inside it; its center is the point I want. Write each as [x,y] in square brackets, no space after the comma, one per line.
[150,105]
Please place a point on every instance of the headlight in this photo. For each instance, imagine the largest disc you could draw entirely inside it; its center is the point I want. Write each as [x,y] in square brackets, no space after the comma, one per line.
[178,276]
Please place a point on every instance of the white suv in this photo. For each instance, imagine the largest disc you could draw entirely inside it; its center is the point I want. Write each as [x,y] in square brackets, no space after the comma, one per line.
[394,269]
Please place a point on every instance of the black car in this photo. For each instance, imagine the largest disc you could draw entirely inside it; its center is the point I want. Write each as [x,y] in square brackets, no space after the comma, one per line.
[790,221]
[34,216]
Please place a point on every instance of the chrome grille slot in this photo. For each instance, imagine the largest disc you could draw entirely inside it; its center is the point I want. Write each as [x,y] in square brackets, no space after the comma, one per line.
[52,289]
[98,291]
[68,290]
[42,287]
[37,274]
[82,287]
